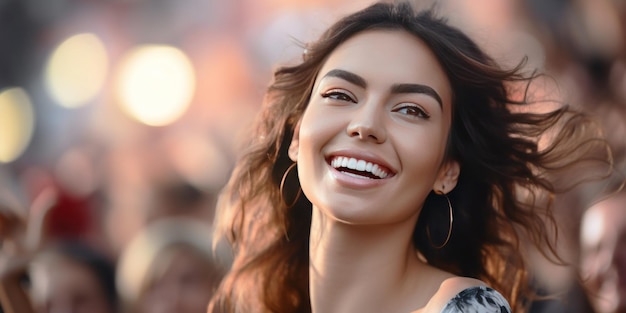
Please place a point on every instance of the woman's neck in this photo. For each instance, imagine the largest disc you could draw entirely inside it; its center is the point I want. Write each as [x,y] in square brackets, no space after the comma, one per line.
[362,268]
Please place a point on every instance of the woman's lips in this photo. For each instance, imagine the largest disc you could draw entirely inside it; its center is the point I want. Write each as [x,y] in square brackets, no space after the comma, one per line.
[359,167]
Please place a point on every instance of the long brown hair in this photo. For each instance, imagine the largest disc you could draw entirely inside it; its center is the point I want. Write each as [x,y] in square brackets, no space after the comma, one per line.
[504,172]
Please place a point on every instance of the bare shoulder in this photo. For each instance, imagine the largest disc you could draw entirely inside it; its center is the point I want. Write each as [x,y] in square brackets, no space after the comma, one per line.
[464,294]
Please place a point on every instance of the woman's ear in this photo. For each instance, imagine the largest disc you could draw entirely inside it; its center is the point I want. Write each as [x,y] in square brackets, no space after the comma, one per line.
[295,143]
[448,177]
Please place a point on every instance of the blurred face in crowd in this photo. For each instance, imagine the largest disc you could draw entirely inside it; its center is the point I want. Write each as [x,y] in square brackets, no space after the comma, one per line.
[61,285]
[183,282]
[603,254]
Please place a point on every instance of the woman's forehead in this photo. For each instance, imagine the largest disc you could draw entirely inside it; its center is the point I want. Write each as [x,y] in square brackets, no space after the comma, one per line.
[386,57]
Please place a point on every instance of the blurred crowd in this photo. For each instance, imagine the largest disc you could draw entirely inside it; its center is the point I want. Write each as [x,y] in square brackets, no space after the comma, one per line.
[120,121]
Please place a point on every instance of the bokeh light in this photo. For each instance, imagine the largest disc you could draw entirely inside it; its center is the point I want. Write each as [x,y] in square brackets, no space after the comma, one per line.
[77,70]
[592,228]
[16,123]
[155,84]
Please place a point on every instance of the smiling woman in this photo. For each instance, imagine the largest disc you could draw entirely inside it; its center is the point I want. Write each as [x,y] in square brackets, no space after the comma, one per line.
[393,171]
[369,105]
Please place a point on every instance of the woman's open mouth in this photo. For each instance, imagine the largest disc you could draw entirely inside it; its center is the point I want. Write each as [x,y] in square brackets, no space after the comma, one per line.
[359,168]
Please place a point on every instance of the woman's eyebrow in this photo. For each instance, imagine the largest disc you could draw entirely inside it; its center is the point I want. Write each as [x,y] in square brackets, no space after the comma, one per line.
[396,88]
[348,76]
[417,88]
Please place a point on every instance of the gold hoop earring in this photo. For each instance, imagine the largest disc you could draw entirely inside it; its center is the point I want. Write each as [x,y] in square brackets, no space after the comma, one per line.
[449,229]
[282,187]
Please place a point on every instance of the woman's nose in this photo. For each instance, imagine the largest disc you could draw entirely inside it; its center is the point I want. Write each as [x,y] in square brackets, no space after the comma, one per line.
[367,124]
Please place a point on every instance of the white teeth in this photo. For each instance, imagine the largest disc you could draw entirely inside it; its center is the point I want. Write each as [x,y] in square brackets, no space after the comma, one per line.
[352,164]
[344,162]
[359,165]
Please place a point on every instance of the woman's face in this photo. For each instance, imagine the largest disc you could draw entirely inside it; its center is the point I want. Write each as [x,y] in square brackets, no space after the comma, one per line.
[370,145]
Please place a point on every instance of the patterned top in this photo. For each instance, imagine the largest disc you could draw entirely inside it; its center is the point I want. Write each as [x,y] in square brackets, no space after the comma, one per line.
[477,299]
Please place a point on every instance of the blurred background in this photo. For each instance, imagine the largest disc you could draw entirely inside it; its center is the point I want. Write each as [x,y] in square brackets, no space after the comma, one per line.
[134,111]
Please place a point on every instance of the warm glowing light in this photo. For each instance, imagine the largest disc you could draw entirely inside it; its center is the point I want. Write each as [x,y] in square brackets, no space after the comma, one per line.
[16,123]
[592,228]
[156,84]
[77,70]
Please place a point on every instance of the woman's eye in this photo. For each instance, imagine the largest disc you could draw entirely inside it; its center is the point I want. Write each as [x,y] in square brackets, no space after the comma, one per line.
[412,111]
[338,95]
